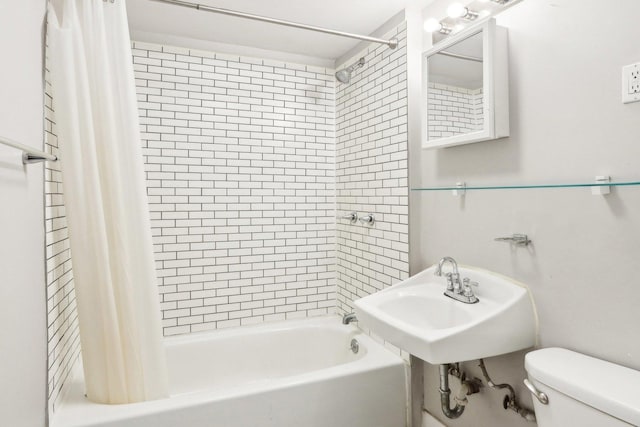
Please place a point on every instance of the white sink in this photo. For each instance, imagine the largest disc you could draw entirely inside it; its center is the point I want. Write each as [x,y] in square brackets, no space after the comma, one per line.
[416,316]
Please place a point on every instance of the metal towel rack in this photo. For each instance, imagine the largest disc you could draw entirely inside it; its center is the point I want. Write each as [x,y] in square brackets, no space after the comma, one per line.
[29,155]
[518,239]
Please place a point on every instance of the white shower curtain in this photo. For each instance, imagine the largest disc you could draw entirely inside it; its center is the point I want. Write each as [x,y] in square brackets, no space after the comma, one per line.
[106,203]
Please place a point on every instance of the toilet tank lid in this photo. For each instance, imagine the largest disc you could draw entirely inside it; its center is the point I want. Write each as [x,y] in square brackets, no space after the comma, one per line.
[610,388]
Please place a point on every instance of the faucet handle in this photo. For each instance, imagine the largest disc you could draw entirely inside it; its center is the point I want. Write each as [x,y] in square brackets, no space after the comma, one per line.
[450,279]
[367,219]
[352,217]
[467,291]
[457,285]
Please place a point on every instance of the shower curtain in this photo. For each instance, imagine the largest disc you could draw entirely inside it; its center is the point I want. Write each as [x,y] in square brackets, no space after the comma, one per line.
[106,203]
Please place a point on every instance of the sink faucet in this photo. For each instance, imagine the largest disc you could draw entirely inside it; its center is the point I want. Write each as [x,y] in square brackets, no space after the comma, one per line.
[453,279]
[458,291]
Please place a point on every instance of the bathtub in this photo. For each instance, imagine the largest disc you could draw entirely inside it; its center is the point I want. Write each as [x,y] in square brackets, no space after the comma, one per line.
[300,373]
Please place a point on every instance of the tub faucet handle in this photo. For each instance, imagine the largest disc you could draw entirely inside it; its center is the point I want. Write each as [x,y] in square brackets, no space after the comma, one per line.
[368,219]
[352,217]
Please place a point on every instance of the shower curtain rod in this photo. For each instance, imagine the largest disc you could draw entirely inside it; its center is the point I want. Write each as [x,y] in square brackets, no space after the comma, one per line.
[29,155]
[392,43]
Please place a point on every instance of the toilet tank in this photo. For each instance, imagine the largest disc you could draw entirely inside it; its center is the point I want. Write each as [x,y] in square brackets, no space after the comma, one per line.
[583,391]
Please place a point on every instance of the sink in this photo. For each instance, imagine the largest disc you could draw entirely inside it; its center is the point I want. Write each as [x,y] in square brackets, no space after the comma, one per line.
[416,316]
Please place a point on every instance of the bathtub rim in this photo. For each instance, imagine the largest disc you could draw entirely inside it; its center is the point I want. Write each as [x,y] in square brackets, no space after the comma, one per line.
[75,408]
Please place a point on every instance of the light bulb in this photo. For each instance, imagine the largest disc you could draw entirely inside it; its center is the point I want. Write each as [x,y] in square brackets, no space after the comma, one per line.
[432,25]
[456,10]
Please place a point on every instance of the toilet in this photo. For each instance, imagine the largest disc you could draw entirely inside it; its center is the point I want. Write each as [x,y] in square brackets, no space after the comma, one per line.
[581,390]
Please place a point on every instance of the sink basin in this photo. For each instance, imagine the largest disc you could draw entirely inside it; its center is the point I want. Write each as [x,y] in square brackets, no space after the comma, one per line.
[416,316]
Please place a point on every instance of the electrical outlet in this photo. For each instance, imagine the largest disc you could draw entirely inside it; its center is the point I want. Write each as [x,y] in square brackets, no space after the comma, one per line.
[634,81]
[631,83]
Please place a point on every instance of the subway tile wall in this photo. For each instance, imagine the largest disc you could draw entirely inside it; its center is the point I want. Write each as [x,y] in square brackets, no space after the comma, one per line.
[244,160]
[453,110]
[372,174]
[240,161]
[62,318]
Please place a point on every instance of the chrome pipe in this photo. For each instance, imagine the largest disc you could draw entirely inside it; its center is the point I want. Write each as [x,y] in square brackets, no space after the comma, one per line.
[445,395]
[393,43]
[29,155]
[509,401]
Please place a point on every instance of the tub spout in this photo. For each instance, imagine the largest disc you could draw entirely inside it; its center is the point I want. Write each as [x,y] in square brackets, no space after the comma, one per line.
[348,318]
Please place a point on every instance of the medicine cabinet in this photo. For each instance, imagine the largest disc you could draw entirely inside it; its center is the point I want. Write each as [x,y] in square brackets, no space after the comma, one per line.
[466,87]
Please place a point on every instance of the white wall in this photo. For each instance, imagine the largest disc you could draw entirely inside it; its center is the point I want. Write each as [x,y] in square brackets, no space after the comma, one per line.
[22,287]
[567,125]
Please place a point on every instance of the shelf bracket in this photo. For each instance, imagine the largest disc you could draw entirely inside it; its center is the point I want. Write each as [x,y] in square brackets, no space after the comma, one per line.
[460,189]
[601,189]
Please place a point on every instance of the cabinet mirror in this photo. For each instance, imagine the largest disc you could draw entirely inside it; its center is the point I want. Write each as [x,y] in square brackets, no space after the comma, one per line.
[466,87]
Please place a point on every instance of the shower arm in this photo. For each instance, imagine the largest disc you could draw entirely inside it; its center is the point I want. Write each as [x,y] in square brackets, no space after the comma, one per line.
[358,64]
[392,43]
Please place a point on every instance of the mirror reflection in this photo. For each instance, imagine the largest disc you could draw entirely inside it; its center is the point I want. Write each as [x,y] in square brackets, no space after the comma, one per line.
[455,89]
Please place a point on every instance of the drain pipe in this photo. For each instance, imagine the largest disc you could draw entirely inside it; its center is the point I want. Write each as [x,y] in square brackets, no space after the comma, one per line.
[445,394]
[509,401]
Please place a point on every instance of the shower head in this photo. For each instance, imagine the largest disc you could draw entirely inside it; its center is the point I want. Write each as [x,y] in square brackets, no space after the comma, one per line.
[344,75]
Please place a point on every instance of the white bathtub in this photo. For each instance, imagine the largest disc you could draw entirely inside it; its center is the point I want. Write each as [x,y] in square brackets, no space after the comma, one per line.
[298,373]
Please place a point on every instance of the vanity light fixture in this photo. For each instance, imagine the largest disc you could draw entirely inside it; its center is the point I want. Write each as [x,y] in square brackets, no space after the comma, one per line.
[457,10]
[432,25]
[458,28]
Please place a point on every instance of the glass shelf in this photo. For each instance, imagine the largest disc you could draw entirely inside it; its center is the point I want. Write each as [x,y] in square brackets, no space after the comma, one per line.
[518,187]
